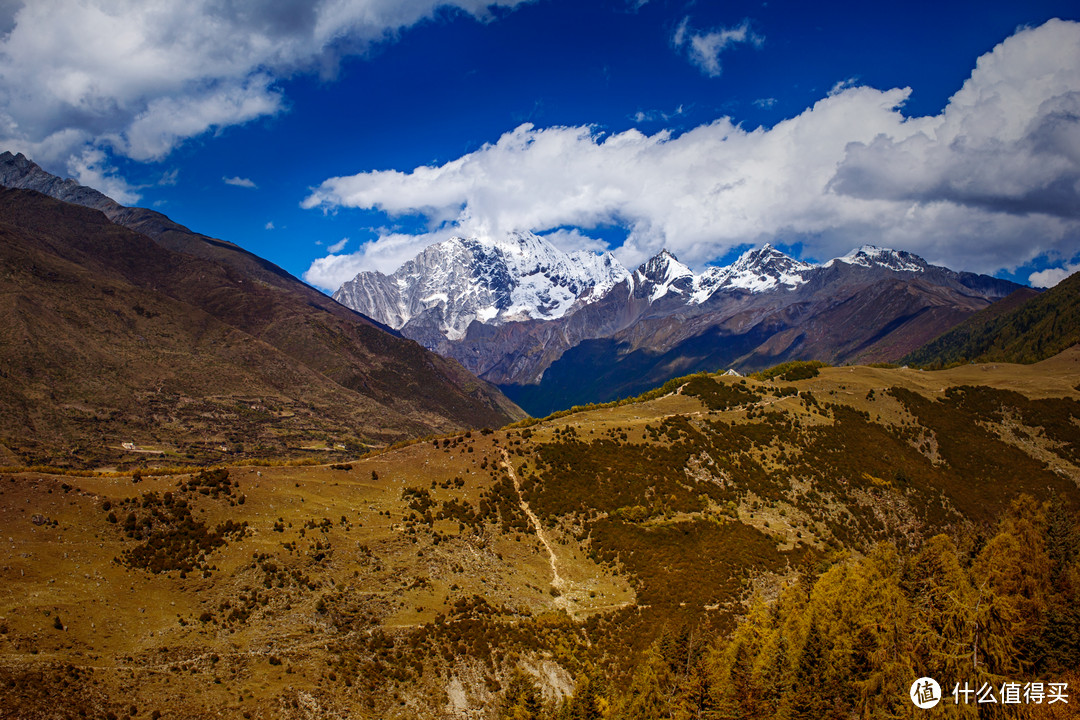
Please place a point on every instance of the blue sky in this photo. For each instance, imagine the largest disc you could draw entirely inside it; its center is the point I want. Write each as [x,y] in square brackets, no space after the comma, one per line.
[700,126]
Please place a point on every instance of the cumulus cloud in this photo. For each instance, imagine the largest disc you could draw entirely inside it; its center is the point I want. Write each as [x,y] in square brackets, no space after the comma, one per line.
[91,168]
[1050,277]
[137,78]
[572,240]
[850,169]
[240,182]
[386,255]
[1008,141]
[704,48]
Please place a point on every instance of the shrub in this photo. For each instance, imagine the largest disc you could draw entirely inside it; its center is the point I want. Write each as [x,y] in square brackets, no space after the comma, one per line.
[791,371]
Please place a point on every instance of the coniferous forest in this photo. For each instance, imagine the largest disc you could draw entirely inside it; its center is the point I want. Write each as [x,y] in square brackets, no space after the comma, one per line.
[994,617]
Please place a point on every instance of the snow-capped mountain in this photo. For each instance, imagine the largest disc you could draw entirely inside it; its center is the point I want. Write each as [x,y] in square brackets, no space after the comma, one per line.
[870,256]
[554,329]
[443,290]
[450,284]
[756,270]
[662,275]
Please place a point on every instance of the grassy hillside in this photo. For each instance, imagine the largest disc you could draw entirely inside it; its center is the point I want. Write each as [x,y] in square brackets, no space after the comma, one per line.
[568,562]
[107,339]
[1022,328]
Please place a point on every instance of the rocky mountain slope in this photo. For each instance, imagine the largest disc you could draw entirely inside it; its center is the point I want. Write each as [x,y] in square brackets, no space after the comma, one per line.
[625,332]
[591,559]
[184,348]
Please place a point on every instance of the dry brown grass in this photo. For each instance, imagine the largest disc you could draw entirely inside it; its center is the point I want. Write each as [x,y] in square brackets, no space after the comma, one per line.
[371,599]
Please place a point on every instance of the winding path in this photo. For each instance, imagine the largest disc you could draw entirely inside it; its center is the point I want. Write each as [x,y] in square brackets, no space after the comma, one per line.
[557,580]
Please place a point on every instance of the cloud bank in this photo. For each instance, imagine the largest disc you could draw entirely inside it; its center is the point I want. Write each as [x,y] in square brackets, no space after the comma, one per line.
[991,182]
[137,78]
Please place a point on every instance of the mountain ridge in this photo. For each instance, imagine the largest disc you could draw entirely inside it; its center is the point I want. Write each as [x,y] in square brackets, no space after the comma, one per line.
[333,371]
[872,304]
[1025,327]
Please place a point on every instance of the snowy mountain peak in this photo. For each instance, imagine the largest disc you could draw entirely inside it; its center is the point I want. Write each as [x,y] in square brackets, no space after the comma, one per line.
[663,274]
[663,268]
[446,287]
[870,256]
[756,270]
[767,260]
[522,276]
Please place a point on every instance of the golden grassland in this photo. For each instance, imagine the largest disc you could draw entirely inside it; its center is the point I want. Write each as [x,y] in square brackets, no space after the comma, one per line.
[412,582]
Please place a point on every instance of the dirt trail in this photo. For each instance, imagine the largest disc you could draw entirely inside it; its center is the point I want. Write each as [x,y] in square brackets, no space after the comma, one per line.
[557,580]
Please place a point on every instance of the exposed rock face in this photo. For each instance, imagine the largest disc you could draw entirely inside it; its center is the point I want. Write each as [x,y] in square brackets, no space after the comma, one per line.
[18,171]
[553,328]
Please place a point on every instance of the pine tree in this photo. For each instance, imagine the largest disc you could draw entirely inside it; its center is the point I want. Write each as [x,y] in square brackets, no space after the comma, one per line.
[587,702]
[1060,640]
[522,699]
[807,699]
[650,694]
[941,592]
[1062,540]
[731,666]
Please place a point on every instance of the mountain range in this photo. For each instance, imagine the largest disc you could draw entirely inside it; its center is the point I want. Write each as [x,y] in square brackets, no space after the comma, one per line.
[128,337]
[554,329]
[800,543]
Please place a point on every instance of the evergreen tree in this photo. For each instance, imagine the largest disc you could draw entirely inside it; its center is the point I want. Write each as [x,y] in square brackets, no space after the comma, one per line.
[588,701]
[650,694]
[1062,540]
[522,699]
[807,699]
[1060,640]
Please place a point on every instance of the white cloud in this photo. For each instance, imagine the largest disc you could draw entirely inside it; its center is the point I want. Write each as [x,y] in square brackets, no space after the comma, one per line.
[385,255]
[240,182]
[642,116]
[572,240]
[704,48]
[269,225]
[1008,141]
[338,246]
[90,168]
[1050,277]
[842,85]
[138,78]
[989,183]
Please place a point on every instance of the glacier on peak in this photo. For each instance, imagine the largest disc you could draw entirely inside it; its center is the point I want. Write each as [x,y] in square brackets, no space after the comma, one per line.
[521,276]
[756,270]
[493,280]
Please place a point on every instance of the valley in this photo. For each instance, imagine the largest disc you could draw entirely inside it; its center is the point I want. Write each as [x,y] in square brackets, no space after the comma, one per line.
[549,360]
[439,578]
